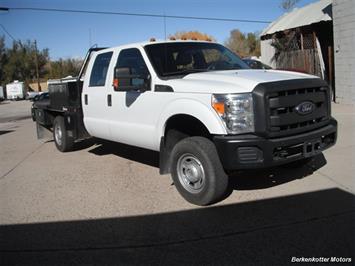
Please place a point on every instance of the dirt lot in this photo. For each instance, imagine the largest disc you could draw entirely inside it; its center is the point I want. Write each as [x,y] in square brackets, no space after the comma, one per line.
[106,203]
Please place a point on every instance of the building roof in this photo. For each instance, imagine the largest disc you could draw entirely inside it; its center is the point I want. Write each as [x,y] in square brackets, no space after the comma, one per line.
[298,17]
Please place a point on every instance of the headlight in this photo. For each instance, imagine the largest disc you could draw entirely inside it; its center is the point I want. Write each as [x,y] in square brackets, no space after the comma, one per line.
[236,111]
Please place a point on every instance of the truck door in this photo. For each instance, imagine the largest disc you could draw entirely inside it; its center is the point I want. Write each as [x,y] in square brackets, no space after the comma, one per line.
[94,96]
[133,114]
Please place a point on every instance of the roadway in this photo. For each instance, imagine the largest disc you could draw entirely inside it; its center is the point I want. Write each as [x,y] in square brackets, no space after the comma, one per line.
[106,204]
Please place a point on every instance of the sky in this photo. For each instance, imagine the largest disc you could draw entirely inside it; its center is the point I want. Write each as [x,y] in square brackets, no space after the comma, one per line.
[69,35]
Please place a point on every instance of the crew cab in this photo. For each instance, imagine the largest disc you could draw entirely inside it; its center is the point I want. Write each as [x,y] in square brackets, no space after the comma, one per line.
[198,104]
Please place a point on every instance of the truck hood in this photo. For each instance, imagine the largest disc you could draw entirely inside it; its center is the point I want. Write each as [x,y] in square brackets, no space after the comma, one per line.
[231,81]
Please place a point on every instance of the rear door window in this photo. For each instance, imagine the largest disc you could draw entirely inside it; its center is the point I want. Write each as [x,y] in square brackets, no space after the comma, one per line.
[99,70]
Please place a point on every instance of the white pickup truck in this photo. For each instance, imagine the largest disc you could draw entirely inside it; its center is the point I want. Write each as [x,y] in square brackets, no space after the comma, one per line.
[196,103]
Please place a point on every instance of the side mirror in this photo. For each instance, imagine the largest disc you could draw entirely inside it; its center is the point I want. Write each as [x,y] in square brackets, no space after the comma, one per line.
[124,80]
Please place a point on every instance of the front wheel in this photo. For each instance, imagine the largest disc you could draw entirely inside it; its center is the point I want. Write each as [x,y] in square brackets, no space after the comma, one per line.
[197,171]
[62,140]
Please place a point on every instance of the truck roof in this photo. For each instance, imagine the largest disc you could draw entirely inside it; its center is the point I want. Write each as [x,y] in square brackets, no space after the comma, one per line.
[142,44]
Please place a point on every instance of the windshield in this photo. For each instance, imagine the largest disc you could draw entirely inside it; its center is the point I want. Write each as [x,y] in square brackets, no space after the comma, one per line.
[255,64]
[180,58]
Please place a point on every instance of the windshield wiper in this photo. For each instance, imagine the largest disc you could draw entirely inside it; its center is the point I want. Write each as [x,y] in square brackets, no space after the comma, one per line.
[184,72]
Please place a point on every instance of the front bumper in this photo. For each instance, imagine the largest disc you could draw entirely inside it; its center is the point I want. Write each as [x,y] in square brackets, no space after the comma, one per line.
[251,151]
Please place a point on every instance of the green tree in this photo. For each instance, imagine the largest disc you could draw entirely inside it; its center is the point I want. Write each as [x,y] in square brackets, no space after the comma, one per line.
[64,67]
[20,62]
[3,59]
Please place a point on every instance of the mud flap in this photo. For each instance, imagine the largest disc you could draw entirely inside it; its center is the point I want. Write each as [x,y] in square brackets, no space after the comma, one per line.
[43,132]
[164,158]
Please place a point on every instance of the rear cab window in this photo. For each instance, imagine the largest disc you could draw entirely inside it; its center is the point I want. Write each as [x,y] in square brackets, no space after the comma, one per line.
[99,69]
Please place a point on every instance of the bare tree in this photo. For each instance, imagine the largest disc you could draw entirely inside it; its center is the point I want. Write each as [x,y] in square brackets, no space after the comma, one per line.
[287,5]
[243,44]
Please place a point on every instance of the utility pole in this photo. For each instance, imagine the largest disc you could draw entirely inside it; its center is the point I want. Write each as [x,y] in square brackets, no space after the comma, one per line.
[37,68]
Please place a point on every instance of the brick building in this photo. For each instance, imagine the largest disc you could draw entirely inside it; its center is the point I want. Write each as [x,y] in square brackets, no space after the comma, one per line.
[344,55]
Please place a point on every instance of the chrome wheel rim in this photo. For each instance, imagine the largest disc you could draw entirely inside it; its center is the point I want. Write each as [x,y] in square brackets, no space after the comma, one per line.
[191,173]
[58,134]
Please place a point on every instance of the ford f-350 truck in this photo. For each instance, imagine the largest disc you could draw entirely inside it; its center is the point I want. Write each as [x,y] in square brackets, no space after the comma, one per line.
[195,102]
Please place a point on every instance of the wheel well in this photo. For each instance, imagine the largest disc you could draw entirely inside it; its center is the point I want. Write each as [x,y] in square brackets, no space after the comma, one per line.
[52,116]
[177,128]
[186,126]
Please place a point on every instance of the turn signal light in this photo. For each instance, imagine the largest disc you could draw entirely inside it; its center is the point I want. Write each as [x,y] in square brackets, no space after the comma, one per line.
[219,107]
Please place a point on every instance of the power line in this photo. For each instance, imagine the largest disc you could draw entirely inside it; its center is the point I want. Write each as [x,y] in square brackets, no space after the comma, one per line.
[8,33]
[133,14]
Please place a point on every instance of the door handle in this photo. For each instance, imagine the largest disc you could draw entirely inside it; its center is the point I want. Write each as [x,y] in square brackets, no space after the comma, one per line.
[86,99]
[109,100]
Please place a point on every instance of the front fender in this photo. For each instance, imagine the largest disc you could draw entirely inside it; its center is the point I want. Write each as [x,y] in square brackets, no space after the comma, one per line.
[193,108]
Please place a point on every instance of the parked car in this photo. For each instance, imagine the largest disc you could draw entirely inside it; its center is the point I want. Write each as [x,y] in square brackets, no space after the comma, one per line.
[30,95]
[40,101]
[41,96]
[255,64]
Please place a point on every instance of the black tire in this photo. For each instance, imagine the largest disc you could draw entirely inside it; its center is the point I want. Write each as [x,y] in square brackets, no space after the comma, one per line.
[62,140]
[212,186]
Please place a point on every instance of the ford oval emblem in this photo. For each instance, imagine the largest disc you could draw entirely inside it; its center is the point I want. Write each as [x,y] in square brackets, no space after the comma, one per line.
[305,108]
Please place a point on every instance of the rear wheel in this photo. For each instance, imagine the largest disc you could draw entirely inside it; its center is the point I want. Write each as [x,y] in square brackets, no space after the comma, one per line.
[62,140]
[197,171]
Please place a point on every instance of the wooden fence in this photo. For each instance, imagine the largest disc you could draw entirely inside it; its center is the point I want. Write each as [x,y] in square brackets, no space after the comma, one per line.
[300,60]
